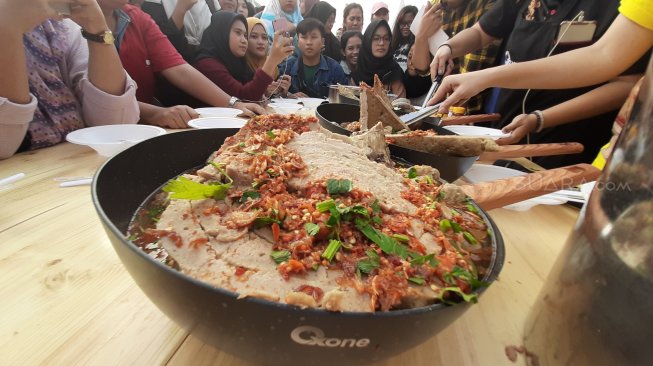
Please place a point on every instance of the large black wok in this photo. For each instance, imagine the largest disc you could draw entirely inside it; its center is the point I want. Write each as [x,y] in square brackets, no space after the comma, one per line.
[253,329]
[450,167]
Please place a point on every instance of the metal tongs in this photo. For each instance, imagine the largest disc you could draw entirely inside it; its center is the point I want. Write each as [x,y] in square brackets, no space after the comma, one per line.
[433,89]
[416,116]
[425,111]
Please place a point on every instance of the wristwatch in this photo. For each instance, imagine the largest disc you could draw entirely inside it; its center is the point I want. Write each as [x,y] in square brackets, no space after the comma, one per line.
[233,101]
[105,37]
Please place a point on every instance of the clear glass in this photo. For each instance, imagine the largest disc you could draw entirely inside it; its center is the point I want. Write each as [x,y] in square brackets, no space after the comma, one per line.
[596,307]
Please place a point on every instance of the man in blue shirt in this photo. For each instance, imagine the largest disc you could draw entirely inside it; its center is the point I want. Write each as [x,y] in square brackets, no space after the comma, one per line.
[312,72]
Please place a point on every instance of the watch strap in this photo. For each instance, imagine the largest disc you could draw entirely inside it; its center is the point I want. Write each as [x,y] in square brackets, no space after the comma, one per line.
[99,38]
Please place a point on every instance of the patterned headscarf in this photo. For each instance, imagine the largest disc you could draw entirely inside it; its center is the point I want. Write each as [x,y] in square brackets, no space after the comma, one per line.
[274,11]
[58,111]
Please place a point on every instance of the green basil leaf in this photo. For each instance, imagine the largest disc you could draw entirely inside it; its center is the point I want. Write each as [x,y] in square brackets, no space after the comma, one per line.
[280,256]
[386,243]
[249,195]
[311,228]
[370,263]
[184,188]
[473,298]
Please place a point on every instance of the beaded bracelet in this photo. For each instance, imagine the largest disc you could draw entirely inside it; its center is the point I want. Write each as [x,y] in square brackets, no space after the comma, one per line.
[539,117]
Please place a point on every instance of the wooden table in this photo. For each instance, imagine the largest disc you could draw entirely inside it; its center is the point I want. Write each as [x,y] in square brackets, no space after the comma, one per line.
[66,299]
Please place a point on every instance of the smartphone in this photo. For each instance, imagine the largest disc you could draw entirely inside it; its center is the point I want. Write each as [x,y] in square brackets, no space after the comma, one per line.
[63,9]
[576,32]
[280,24]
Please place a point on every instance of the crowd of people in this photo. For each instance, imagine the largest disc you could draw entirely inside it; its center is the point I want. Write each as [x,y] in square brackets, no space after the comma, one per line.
[154,61]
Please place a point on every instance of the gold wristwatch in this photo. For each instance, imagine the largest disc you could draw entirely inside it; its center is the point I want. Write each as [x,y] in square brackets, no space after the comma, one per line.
[105,37]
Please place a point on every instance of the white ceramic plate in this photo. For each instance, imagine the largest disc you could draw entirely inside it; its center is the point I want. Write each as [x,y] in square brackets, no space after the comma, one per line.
[217,122]
[476,131]
[311,103]
[286,108]
[218,112]
[487,173]
[284,100]
[111,139]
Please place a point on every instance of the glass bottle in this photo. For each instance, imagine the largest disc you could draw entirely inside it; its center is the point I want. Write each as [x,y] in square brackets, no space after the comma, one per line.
[596,307]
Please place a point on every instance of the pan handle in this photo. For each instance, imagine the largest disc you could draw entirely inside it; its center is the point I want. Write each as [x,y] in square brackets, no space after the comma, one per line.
[503,192]
[520,151]
[474,118]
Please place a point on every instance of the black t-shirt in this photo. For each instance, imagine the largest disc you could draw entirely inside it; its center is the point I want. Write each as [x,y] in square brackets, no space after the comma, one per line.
[530,36]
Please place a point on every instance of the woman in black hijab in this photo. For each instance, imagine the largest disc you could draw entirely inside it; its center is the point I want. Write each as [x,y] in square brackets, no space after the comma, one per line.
[326,14]
[376,58]
[222,57]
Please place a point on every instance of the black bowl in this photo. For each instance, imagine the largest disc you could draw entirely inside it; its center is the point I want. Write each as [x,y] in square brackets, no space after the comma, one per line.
[450,167]
[253,329]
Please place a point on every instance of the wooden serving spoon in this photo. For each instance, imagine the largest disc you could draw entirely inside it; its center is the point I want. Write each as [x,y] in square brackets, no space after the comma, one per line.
[503,192]
[521,151]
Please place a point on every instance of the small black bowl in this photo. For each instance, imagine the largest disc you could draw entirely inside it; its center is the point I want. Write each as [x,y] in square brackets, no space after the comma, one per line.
[252,329]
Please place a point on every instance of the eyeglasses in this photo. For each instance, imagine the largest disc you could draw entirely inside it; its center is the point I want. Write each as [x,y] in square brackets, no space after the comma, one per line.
[378,39]
[404,25]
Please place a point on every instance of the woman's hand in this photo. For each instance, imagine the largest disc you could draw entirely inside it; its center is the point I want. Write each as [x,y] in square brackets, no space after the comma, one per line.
[431,21]
[172,117]
[442,63]
[20,16]
[88,15]
[250,109]
[182,7]
[284,84]
[518,128]
[461,87]
[279,87]
[281,48]
[397,88]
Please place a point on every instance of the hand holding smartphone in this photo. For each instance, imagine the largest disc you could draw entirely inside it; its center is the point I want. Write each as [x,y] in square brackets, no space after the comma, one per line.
[280,24]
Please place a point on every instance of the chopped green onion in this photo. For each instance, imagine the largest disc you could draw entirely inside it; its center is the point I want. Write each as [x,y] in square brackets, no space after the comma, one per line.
[470,238]
[417,280]
[456,227]
[400,237]
[445,225]
[271,134]
[472,208]
[412,172]
[331,249]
